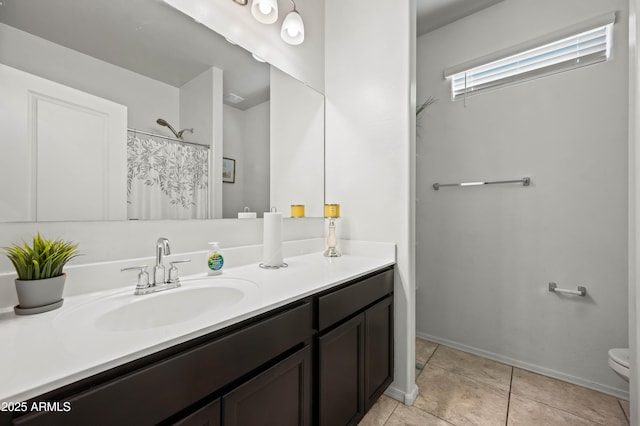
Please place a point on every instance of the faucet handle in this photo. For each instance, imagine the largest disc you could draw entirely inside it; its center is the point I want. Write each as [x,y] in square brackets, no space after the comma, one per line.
[173,271]
[143,276]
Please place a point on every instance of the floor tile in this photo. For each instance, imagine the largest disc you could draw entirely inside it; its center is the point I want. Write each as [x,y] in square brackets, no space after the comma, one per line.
[472,366]
[525,412]
[424,350]
[460,400]
[379,412]
[411,416]
[625,407]
[582,402]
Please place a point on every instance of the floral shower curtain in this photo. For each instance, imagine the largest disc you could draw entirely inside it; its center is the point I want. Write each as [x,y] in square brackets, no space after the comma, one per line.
[166,179]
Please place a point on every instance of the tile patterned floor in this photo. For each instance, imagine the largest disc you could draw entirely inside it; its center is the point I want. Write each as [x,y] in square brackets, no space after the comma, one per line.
[459,389]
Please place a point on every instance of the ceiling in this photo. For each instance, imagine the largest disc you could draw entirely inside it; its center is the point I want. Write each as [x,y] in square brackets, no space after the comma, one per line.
[433,14]
[145,36]
[151,38]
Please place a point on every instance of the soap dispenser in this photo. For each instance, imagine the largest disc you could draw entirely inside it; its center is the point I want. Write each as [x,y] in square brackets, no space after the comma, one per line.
[215,260]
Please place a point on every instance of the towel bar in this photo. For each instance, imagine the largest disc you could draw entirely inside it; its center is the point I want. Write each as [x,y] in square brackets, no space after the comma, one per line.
[524,181]
[581,291]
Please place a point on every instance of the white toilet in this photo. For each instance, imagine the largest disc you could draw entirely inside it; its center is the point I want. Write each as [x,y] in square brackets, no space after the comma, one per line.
[619,362]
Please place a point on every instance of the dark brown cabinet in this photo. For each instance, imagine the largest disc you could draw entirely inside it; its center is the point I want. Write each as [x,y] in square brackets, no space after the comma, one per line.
[378,337]
[281,396]
[321,360]
[209,415]
[355,349]
[341,385]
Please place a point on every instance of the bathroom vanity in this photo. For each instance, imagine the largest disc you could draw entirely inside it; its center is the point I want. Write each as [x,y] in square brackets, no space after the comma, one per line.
[321,356]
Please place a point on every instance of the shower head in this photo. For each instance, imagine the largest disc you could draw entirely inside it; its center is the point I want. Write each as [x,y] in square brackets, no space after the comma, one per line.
[163,122]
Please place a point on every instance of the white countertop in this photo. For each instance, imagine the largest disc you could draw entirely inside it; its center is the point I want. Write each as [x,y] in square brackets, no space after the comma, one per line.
[46,351]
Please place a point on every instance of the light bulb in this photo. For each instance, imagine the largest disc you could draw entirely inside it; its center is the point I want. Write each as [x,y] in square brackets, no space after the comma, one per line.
[292,28]
[265,11]
[264,8]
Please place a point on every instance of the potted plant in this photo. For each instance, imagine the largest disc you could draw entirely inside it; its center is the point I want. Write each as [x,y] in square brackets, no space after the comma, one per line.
[40,278]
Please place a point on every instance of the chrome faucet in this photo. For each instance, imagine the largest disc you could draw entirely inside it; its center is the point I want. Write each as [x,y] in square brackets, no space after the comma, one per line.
[159,282]
[162,248]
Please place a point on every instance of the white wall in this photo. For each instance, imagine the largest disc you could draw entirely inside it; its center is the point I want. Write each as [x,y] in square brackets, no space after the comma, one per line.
[234,138]
[304,62]
[146,99]
[246,140]
[369,144]
[200,102]
[634,208]
[297,146]
[255,171]
[196,108]
[485,255]
[201,109]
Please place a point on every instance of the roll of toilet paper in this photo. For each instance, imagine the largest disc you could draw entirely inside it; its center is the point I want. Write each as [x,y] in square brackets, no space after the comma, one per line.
[272,240]
[247,215]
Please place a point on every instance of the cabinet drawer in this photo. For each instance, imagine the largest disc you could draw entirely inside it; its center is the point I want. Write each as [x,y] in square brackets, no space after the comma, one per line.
[156,392]
[339,304]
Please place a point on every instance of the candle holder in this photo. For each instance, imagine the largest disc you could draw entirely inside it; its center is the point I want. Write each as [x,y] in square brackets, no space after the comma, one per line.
[332,212]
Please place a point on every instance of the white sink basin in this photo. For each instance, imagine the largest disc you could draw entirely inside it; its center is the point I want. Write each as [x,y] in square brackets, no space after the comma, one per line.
[124,312]
[167,307]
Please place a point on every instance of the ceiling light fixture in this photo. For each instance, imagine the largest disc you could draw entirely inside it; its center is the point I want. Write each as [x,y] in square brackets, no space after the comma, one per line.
[265,11]
[292,28]
[233,98]
[257,58]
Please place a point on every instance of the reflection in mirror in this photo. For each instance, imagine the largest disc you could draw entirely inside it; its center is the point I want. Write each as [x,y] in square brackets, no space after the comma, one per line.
[91,72]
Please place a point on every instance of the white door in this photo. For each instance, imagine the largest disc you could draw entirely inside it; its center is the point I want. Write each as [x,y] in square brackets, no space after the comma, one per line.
[64,155]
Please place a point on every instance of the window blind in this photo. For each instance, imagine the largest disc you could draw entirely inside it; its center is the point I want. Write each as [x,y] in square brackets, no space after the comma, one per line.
[575,51]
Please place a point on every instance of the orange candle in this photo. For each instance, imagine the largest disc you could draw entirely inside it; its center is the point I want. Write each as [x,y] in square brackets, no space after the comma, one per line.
[332,210]
[297,210]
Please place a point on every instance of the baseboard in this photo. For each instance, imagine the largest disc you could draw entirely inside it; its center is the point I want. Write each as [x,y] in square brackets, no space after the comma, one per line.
[398,395]
[618,393]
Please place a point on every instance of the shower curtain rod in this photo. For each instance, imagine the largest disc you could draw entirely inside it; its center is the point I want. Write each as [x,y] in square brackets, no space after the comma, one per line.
[524,181]
[167,138]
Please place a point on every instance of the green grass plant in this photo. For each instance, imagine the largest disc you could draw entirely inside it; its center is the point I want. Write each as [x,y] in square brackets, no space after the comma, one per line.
[44,260]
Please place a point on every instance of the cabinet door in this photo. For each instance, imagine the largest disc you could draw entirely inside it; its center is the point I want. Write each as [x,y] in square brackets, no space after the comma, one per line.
[341,363]
[378,364]
[281,396]
[209,415]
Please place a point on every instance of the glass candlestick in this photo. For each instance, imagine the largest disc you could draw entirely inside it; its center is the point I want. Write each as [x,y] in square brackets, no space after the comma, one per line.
[332,212]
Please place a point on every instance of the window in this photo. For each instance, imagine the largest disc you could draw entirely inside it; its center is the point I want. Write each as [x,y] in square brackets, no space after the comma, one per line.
[583,48]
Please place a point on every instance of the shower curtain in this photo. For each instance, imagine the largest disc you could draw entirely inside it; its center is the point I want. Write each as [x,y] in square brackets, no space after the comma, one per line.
[166,179]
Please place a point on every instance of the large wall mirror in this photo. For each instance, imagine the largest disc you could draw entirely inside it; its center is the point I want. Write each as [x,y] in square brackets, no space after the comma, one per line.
[130,110]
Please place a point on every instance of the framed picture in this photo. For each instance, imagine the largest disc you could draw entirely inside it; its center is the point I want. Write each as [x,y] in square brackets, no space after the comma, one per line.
[228,170]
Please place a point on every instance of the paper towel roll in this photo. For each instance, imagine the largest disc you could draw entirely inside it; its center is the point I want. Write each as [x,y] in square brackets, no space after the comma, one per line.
[272,240]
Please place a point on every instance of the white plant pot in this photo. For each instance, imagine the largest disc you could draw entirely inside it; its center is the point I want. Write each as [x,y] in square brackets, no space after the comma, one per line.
[40,293]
